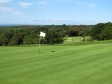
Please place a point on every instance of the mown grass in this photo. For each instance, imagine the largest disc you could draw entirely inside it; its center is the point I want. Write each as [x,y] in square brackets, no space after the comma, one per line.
[77,41]
[70,64]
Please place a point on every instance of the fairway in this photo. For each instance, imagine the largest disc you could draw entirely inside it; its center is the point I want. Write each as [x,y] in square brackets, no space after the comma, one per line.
[83,64]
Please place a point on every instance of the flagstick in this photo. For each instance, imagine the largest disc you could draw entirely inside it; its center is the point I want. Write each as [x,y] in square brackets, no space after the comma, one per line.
[42,34]
[39,45]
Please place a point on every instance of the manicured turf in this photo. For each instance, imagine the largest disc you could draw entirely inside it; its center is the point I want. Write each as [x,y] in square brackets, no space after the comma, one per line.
[84,64]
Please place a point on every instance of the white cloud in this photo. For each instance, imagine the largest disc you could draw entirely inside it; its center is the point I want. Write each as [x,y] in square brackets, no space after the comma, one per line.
[53,21]
[5,1]
[27,4]
[11,11]
[42,2]
[6,10]
[87,4]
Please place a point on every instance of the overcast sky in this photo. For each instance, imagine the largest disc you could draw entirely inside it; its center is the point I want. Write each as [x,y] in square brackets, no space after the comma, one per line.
[44,12]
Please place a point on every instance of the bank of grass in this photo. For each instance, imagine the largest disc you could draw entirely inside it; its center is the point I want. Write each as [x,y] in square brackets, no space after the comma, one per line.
[77,41]
[87,63]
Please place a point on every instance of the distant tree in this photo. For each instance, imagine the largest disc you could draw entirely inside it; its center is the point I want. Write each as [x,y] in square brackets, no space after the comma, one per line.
[73,33]
[27,40]
[102,31]
[53,37]
[29,34]
[17,38]
[3,39]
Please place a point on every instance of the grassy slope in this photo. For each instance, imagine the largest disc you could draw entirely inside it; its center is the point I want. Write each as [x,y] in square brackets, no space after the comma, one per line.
[72,39]
[84,64]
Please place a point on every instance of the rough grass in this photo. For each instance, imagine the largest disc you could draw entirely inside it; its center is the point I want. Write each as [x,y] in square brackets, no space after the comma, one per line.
[83,64]
[72,39]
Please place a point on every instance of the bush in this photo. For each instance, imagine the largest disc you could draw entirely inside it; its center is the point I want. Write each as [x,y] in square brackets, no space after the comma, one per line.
[102,31]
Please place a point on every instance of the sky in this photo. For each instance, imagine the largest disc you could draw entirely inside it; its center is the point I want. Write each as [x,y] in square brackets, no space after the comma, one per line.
[57,12]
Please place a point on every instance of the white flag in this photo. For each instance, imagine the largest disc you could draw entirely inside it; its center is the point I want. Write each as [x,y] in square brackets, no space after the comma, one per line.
[42,34]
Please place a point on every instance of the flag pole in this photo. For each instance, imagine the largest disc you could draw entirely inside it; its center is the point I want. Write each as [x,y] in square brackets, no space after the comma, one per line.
[39,45]
[42,34]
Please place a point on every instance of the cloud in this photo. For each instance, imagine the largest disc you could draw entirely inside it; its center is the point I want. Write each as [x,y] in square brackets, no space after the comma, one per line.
[87,4]
[3,8]
[9,11]
[59,21]
[81,3]
[6,10]
[27,4]
[54,21]
[5,1]
[42,2]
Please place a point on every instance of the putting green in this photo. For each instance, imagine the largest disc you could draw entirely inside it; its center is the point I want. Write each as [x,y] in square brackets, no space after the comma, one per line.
[84,64]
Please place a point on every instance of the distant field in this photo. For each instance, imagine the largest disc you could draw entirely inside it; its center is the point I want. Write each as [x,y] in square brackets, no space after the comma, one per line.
[75,39]
[83,64]
[72,39]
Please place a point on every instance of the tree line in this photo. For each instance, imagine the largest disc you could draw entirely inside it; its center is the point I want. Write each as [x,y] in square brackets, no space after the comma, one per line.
[102,31]
[29,34]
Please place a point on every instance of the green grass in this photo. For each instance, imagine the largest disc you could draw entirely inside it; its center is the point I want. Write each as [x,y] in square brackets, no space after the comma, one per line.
[72,39]
[78,39]
[83,64]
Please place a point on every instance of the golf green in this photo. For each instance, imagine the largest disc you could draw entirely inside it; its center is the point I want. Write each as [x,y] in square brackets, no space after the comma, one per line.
[83,64]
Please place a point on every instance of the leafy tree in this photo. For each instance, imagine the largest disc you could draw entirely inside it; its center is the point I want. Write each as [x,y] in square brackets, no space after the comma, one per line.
[3,39]
[29,34]
[102,31]
[53,37]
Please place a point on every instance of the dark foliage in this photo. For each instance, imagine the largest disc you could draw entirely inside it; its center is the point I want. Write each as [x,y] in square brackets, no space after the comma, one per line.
[102,31]
[25,35]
